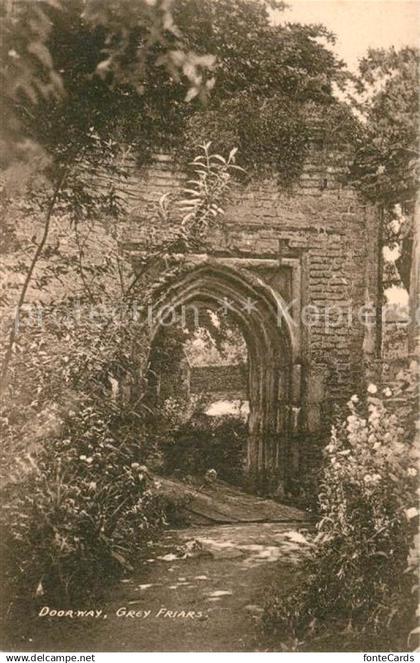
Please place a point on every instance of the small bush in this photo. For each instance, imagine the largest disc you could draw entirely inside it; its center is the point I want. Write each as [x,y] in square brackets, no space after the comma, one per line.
[202,442]
[358,576]
[78,505]
[79,511]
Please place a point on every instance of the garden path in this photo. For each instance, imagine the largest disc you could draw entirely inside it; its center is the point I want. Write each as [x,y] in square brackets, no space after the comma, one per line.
[201,588]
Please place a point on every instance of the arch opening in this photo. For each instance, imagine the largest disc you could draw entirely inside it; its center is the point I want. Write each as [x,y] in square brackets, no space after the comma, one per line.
[259,313]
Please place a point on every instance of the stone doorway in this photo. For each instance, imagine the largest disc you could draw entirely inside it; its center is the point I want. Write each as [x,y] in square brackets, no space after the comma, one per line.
[262,316]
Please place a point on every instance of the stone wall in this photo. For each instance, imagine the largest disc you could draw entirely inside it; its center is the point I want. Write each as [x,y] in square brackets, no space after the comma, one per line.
[317,245]
[321,223]
[223,381]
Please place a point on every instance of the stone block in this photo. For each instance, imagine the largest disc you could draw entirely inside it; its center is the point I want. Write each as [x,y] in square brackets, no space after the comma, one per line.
[313,418]
[315,386]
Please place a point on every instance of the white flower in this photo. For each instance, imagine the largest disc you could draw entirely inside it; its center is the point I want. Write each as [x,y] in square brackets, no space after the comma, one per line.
[374,415]
[412,472]
[387,392]
[40,589]
[89,460]
[354,398]
[82,457]
[374,478]
[372,388]
[352,422]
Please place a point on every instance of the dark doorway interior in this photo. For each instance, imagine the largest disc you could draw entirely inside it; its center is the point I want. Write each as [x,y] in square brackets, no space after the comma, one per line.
[198,388]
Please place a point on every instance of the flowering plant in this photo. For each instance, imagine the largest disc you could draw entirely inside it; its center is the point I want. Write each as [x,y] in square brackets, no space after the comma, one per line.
[85,511]
[367,504]
[359,573]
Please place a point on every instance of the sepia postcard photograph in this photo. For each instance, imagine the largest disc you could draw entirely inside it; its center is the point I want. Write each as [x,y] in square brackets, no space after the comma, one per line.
[209,306]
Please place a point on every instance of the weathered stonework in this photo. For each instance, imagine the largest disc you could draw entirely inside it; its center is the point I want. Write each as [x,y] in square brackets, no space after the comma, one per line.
[315,249]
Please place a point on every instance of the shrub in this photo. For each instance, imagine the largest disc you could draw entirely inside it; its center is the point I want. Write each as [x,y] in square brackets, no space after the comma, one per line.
[80,510]
[357,572]
[78,506]
[197,442]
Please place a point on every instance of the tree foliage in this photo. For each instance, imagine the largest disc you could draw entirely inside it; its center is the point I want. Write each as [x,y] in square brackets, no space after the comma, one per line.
[274,89]
[68,71]
[385,168]
[386,163]
[142,71]
[70,67]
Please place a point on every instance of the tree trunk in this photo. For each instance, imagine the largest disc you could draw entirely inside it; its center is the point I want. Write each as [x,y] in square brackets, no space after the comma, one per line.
[405,262]
[25,286]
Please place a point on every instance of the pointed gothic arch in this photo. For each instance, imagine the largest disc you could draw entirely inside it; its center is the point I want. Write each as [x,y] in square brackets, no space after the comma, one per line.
[268,330]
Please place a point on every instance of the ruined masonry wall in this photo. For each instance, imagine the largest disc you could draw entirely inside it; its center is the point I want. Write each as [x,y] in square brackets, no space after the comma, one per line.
[321,223]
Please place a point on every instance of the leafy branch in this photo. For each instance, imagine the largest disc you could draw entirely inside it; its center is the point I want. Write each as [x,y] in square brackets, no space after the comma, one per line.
[201,206]
[77,193]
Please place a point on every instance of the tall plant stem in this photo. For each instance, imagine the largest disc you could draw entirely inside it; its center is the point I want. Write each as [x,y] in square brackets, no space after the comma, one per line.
[25,286]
